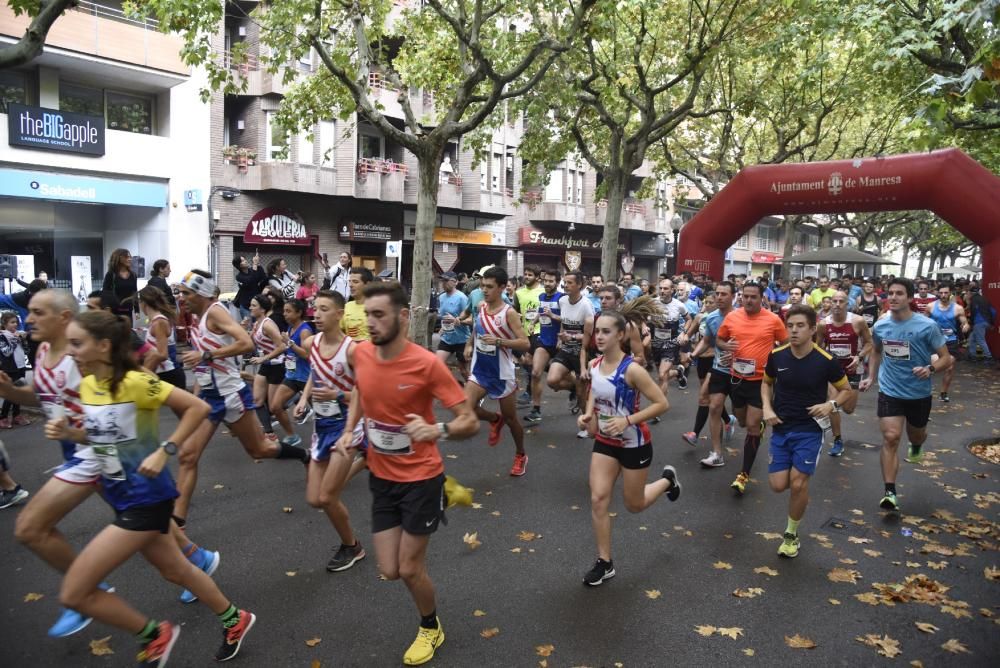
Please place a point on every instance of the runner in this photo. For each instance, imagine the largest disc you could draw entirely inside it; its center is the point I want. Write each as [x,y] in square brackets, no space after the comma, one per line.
[794,398]
[815,298]
[454,335]
[547,342]
[354,322]
[397,382]
[162,359]
[902,365]
[611,300]
[331,363]
[794,297]
[497,335]
[11,493]
[749,334]
[121,424]
[950,317]
[296,368]
[568,369]
[704,356]
[666,328]
[868,305]
[217,342]
[622,442]
[845,336]
[720,383]
[923,299]
[269,358]
[527,303]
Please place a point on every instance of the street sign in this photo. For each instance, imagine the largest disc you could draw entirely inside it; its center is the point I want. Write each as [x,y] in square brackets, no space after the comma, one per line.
[393,248]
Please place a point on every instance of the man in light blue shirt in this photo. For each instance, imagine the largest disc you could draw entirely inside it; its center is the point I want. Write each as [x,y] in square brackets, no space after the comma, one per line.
[452,303]
[629,288]
[902,362]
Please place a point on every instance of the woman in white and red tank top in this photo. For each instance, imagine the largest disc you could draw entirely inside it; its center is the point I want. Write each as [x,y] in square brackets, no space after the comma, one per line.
[162,359]
[270,354]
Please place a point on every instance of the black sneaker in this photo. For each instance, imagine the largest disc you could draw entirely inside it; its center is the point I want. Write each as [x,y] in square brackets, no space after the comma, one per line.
[944,397]
[232,638]
[572,399]
[682,381]
[602,570]
[670,473]
[534,417]
[346,557]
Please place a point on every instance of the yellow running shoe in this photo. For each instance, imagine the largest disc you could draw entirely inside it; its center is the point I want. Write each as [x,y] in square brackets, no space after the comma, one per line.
[455,494]
[740,484]
[422,649]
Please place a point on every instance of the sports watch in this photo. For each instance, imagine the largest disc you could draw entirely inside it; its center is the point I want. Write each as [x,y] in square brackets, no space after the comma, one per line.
[169,447]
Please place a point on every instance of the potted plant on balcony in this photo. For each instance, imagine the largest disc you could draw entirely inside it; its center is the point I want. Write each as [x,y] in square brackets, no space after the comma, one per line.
[229,153]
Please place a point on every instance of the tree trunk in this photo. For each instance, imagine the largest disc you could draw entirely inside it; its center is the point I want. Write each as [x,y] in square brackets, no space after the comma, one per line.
[423,245]
[790,226]
[920,263]
[617,183]
[825,237]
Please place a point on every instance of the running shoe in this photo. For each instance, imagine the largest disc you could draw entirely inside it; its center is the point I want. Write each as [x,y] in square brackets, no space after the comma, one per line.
[345,557]
[455,494]
[572,398]
[914,456]
[233,637]
[22,421]
[602,570]
[206,560]
[713,460]
[837,449]
[524,399]
[944,398]
[496,426]
[670,473]
[294,439]
[889,502]
[306,416]
[682,381]
[789,546]
[690,438]
[157,651]
[422,649]
[10,497]
[520,464]
[729,430]
[71,621]
[740,484]
[656,420]
[534,417]
[583,433]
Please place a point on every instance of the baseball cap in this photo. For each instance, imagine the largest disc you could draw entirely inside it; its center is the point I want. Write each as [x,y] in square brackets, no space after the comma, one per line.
[449,276]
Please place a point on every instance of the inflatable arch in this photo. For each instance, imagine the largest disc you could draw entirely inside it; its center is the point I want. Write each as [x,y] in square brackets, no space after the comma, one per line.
[946,182]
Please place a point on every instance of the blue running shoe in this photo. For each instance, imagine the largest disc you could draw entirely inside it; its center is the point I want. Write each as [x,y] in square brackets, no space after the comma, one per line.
[837,449]
[71,621]
[207,561]
[294,439]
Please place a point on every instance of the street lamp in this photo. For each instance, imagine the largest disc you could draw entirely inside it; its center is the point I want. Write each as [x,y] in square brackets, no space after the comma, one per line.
[676,223]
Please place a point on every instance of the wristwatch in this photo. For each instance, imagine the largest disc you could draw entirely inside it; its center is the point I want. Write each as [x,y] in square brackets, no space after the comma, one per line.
[206,356]
[836,406]
[931,369]
[443,430]
[169,447]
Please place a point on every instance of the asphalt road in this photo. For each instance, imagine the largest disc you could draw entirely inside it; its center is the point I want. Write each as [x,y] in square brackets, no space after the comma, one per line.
[678,563]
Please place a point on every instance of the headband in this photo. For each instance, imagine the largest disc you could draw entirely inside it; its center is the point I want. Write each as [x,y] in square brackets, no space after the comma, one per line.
[199,285]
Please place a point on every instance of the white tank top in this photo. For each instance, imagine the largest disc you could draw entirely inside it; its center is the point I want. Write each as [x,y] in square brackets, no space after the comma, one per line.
[336,372]
[263,342]
[614,398]
[167,364]
[222,375]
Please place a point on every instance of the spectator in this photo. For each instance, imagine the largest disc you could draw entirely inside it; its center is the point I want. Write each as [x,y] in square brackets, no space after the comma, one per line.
[251,280]
[42,276]
[279,278]
[982,315]
[161,272]
[121,281]
[13,362]
[339,275]
[307,293]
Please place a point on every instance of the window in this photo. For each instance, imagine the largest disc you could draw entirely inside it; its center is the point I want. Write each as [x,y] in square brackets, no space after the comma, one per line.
[743,242]
[277,138]
[766,238]
[497,164]
[81,100]
[554,189]
[305,146]
[484,174]
[369,146]
[12,89]
[130,113]
[327,137]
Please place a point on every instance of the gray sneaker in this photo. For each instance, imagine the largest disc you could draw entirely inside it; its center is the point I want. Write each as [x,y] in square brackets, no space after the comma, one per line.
[12,497]
[534,417]
[345,557]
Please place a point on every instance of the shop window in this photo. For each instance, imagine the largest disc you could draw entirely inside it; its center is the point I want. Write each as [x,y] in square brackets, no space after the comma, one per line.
[130,113]
[13,89]
[305,146]
[327,138]
[277,138]
[81,100]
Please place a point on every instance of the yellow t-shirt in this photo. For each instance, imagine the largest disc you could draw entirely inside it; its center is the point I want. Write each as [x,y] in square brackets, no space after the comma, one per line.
[816,296]
[355,322]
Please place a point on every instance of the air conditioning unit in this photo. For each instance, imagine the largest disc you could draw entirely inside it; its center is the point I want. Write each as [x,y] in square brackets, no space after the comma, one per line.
[243,31]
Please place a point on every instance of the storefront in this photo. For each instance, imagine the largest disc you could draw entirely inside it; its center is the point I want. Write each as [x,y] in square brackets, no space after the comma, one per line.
[548,250]
[648,253]
[762,261]
[367,239]
[462,243]
[277,233]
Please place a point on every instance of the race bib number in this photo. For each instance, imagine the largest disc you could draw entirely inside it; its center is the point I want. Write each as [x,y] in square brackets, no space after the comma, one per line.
[824,424]
[544,319]
[531,314]
[290,362]
[661,334]
[948,332]
[869,319]
[327,408]
[744,366]
[447,325]
[603,423]
[840,349]
[203,374]
[485,348]
[897,350]
[388,439]
[111,465]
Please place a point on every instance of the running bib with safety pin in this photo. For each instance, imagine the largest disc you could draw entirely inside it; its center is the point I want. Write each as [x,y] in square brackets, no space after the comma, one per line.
[840,349]
[447,325]
[388,439]
[897,350]
[869,319]
[745,366]
[203,374]
[531,314]
[485,348]
[603,422]
[111,465]
[290,362]
[327,408]
[544,319]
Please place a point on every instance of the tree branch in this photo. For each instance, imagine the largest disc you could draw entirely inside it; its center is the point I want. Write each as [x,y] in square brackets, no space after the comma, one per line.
[32,42]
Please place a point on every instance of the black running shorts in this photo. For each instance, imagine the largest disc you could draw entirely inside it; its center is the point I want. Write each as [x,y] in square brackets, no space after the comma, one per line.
[155,517]
[720,382]
[745,393]
[705,366]
[275,373]
[916,411]
[570,360]
[416,506]
[629,458]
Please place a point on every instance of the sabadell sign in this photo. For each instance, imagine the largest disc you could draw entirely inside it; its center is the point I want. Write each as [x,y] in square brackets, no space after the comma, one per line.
[281,227]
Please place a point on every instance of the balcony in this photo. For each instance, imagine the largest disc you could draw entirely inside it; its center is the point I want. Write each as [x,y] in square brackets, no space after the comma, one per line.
[450,193]
[636,215]
[274,175]
[105,31]
[380,179]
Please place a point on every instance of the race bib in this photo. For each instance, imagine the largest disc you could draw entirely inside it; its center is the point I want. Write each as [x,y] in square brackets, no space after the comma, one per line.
[840,349]
[111,465]
[290,362]
[447,325]
[52,406]
[544,319]
[824,424]
[531,314]
[603,422]
[897,350]
[869,319]
[485,348]
[203,374]
[388,439]
[661,334]
[327,408]
[745,366]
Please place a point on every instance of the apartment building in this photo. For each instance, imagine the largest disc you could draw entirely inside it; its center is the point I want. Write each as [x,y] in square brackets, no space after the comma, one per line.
[104,144]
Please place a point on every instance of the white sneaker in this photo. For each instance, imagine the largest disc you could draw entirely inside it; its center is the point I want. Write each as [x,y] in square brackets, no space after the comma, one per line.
[583,433]
[713,460]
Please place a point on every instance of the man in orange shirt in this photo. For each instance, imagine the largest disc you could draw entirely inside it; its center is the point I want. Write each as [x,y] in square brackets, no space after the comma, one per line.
[396,384]
[750,334]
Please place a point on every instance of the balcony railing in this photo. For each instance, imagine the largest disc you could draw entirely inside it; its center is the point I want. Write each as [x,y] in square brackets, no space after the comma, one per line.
[377,81]
[249,63]
[114,14]
[379,166]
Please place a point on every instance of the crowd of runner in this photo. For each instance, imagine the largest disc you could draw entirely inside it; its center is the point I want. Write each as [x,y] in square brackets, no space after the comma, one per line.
[767,356]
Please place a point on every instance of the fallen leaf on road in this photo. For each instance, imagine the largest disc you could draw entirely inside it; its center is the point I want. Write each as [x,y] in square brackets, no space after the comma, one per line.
[937,565]
[528,536]
[764,570]
[31,596]
[955,647]
[312,642]
[885,645]
[515,550]
[869,598]
[926,627]
[101,647]
[612,514]
[748,651]
[872,553]
[545,650]
[855,511]
[219,487]
[833,601]
[751,592]
[286,509]
[477,506]
[315,664]
[767,535]
[849,562]
[913,564]
[653,594]
[917,663]
[722,565]
[472,540]
[489,633]
[488,493]
[452,456]
[290,574]
[574,507]
[495,513]
[859,541]
[731,632]
[478,613]
[992,573]
[799,642]
[727,535]
[985,612]
[848,575]
[704,630]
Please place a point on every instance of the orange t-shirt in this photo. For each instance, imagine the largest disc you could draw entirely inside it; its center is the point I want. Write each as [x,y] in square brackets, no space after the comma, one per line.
[756,336]
[389,391]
